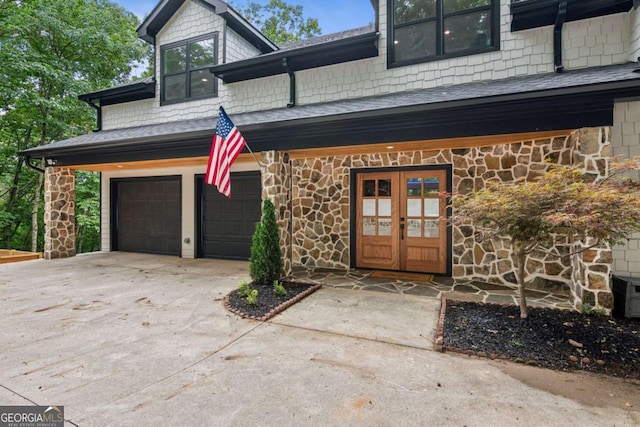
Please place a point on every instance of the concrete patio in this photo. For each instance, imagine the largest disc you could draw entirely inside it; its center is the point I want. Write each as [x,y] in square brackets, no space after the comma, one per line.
[132,339]
[435,287]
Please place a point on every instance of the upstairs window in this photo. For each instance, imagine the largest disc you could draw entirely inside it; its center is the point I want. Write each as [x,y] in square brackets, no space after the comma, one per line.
[185,69]
[426,30]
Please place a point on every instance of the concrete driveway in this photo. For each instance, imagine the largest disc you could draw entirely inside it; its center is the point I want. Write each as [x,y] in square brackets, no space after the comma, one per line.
[130,339]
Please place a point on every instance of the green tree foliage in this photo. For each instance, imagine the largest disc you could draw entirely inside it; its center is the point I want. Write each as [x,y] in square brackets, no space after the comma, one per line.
[563,205]
[280,21]
[87,211]
[265,264]
[415,10]
[51,52]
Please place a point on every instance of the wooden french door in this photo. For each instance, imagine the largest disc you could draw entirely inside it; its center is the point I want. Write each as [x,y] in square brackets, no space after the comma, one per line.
[401,221]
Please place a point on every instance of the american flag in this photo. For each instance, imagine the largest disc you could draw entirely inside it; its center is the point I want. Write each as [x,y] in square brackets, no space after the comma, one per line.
[226,145]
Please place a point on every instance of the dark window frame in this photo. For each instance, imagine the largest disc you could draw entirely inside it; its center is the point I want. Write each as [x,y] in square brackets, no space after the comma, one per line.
[494,13]
[188,70]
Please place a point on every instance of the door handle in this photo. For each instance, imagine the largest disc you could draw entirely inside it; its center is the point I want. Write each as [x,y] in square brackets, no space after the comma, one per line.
[401,228]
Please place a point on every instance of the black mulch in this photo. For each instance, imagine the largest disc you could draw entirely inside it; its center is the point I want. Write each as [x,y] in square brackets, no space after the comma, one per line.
[268,303]
[609,345]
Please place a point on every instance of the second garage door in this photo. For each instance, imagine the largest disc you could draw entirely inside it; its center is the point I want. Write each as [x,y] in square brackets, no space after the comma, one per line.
[227,225]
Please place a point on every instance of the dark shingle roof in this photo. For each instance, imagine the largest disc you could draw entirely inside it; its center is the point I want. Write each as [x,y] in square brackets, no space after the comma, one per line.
[328,38]
[589,80]
[344,46]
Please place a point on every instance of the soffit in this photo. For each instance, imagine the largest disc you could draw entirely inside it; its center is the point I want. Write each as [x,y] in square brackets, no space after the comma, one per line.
[528,14]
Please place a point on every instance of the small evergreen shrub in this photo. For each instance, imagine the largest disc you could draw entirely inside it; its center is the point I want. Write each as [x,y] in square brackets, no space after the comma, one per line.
[265,264]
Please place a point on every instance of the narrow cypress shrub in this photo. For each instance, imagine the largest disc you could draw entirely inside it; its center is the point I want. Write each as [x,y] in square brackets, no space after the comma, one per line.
[265,264]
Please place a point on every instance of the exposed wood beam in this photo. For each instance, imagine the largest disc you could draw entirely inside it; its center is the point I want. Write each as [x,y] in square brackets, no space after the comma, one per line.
[152,164]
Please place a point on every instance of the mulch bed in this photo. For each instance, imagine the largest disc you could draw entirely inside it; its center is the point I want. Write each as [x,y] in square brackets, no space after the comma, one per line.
[268,303]
[557,339]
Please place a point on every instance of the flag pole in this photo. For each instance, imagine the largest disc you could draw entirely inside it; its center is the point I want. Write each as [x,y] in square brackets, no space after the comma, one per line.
[252,153]
[246,144]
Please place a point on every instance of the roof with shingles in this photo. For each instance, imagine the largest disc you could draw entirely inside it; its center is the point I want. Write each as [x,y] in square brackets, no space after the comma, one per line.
[589,80]
[327,38]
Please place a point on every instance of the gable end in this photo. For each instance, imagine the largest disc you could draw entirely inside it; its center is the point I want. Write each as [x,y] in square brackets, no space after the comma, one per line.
[164,10]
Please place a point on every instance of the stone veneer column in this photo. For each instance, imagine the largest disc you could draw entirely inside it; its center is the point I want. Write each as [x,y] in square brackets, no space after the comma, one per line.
[59,213]
[592,268]
[276,185]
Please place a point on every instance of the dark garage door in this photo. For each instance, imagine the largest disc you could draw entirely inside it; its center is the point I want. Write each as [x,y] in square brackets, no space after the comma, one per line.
[147,215]
[227,225]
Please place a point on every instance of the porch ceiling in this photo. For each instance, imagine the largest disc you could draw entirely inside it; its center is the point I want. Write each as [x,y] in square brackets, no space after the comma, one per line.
[144,164]
[537,13]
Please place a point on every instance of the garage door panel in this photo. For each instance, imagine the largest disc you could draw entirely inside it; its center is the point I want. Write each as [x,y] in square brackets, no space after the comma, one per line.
[227,225]
[148,215]
[235,228]
[224,250]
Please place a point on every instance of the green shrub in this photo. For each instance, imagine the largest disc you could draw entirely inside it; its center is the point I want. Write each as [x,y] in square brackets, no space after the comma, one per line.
[279,288]
[252,298]
[593,311]
[244,289]
[266,258]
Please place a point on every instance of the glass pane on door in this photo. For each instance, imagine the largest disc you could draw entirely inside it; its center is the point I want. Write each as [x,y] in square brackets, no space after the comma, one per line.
[414,187]
[414,207]
[414,228]
[431,207]
[384,226]
[384,207]
[369,226]
[369,207]
[369,188]
[431,186]
[432,228]
[384,188]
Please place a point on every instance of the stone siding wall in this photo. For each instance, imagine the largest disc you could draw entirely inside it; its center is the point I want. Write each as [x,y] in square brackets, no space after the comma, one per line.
[592,277]
[475,257]
[592,268]
[321,209]
[276,185]
[322,197]
[59,213]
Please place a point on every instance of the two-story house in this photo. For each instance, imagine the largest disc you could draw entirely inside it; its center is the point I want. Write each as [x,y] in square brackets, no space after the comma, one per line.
[357,133]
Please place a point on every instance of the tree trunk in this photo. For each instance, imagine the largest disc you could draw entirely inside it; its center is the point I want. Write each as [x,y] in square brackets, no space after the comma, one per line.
[522,260]
[36,197]
[79,238]
[34,211]
[9,228]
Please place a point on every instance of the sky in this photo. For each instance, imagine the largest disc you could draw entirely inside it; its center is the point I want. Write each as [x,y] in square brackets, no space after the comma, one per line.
[332,15]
